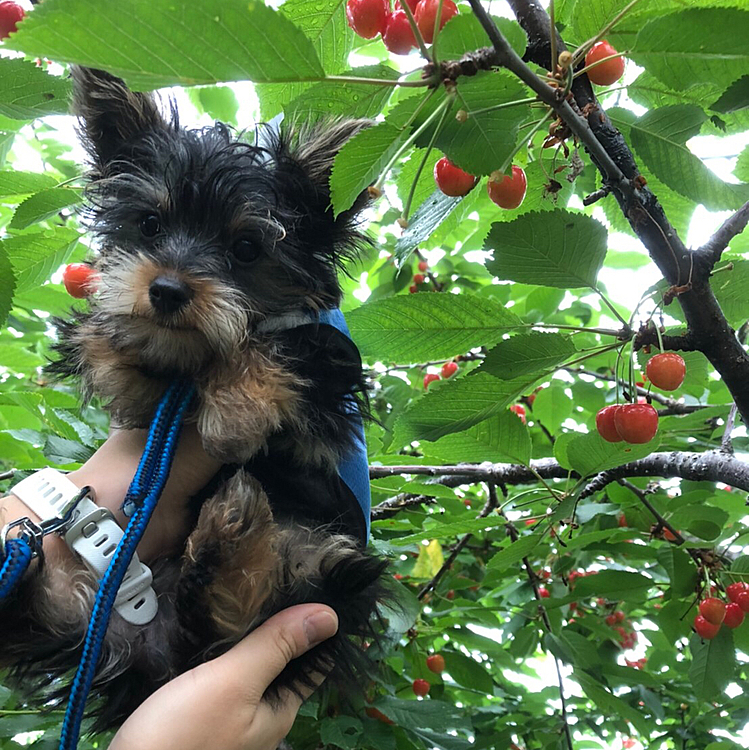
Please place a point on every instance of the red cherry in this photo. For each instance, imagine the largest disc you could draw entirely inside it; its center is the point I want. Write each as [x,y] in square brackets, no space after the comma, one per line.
[436,663]
[605,423]
[467,503]
[636,423]
[510,190]
[413,289]
[423,265]
[743,601]
[623,521]
[518,409]
[450,595]
[628,743]
[11,14]
[705,629]
[430,377]
[611,620]
[666,371]
[668,535]
[79,280]
[713,610]
[375,713]
[452,180]
[398,36]
[735,589]
[734,615]
[426,16]
[449,369]
[420,687]
[367,17]
[607,72]
[543,592]
[397,576]
[418,278]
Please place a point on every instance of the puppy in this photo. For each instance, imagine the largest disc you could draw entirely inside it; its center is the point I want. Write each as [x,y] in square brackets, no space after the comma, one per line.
[215,256]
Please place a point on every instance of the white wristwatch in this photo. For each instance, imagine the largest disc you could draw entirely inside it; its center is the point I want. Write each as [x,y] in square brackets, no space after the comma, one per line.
[92,533]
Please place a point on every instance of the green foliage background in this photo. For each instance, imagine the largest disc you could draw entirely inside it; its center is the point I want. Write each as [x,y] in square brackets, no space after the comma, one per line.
[540,266]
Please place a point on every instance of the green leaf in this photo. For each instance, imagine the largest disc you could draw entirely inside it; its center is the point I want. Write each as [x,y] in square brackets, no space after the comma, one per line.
[680,568]
[449,530]
[659,138]
[464,33]
[7,284]
[730,288]
[695,46]
[609,704]
[36,256]
[526,353]
[468,672]
[590,454]
[341,731]
[27,92]
[432,212]
[552,406]
[219,102]
[361,161]
[423,327]
[503,437]
[14,183]
[331,98]
[42,205]
[713,664]
[614,584]
[734,98]
[514,552]
[455,405]
[550,248]
[207,42]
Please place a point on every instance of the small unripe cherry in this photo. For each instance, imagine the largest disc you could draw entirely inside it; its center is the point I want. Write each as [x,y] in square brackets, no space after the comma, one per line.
[420,687]
[430,377]
[734,615]
[705,629]
[436,662]
[449,369]
[713,610]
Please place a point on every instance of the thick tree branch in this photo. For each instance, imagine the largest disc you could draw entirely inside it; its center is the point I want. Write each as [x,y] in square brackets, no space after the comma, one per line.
[687,272]
[733,225]
[711,466]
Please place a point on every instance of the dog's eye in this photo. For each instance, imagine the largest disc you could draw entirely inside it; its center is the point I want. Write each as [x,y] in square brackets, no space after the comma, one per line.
[150,225]
[245,251]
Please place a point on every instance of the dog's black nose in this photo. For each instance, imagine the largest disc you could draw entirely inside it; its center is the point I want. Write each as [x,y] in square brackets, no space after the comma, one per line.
[169,295]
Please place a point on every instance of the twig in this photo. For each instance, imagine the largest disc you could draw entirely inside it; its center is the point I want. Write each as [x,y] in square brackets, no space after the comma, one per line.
[597,195]
[643,496]
[732,226]
[489,506]
[725,443]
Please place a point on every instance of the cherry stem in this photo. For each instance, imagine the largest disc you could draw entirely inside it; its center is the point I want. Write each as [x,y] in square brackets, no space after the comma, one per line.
[524,141]
[417,34]
[582,50]
[378,81]
[599,62]
[609,304]
[504,105]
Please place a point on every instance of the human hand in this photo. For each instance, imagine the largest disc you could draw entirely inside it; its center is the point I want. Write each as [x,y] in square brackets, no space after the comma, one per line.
[219,704]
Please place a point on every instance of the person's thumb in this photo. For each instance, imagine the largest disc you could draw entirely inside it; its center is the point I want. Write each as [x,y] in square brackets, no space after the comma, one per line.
[285,636]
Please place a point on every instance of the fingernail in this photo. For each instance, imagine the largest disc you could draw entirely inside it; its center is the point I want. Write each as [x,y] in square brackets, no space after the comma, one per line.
[320,626]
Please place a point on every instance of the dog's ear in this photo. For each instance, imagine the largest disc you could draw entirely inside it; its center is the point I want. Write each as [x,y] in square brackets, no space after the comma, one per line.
[110,114]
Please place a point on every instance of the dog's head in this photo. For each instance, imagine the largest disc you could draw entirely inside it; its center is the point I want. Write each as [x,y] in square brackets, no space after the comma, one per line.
[204,236]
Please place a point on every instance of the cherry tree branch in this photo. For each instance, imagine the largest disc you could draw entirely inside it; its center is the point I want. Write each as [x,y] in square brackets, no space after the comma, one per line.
[732,226]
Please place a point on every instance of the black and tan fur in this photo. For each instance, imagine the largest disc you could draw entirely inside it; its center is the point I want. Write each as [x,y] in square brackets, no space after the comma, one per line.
[229,235]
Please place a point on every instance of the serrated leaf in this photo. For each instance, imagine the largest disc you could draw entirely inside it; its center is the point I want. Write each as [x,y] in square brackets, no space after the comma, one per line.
[361,161]
[423,327]
[590,454]
[35,256]
[659,138]
[464,33]
[219,102]
[730,288]
[432,212]
[614,584]
[27,92]
[526,353]
[456,405]
[208,42]
[435,715]
[713,664]
[552,406]
[681,570]
[550,248]
[734,98]
[42,205]
[14,183]
[448,531]
[610,704]
[337,98]
[503,437]
[341,731]
[429,561]
[514,552]
[468,672]
[694,46]
[7,284]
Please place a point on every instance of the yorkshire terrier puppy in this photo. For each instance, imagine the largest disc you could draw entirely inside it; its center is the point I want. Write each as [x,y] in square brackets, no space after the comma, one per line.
[214,256]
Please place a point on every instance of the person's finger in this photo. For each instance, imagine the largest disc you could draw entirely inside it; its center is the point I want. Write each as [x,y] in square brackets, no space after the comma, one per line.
[267,650]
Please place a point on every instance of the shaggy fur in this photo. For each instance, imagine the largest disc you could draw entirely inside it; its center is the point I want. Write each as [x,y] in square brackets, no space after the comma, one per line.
[203,238]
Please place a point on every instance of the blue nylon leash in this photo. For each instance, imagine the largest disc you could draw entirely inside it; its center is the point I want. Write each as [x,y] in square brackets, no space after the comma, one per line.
[354,467]
[18,555]
[142,496]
